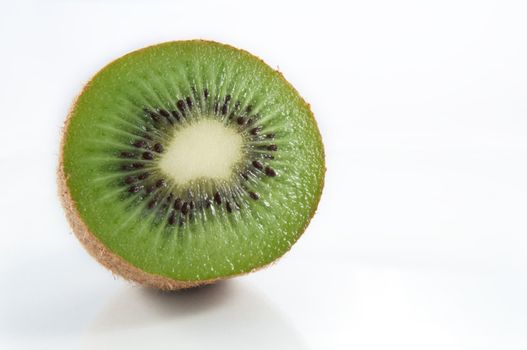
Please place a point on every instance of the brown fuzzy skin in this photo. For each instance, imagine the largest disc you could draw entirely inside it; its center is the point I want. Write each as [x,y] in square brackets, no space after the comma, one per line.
[106,257]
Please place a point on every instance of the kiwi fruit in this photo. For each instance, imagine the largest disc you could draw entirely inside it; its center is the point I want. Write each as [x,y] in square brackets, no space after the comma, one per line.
[189,162]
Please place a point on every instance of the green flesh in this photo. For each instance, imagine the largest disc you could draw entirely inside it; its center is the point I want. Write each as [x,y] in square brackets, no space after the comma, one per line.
[110,116]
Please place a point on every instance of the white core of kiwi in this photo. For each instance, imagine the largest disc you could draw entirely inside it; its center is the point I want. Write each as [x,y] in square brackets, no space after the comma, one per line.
[206,149]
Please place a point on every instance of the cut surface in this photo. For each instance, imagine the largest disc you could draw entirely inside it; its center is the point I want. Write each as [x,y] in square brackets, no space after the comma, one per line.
[205,150]
[192,161]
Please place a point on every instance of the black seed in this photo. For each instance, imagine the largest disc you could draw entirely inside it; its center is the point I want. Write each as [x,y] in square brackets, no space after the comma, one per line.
[217,197]
[143,176]
[216,107]
[185,208]
[172,218]
[134,189]
[208,203]
[206,93]
[227,98]
[127,155]
[270,136]
[152,203]
[158,148]
[166,114]
[253,195]
[192,205]
[237,105]
[160,183]
[148,156]
[140,144]
[257,165]
[240,120]
[270,172]
[245,176]
[272,147]
[228,206]
[154,116]
[181,105]
[138,165]
[255,131]
[224,109]
[129,180]
[178,203]
[189,102]
[249,109]
[175,115]
[170,197]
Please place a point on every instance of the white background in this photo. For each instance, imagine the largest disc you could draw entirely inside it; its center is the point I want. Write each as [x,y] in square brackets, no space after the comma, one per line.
[420,238]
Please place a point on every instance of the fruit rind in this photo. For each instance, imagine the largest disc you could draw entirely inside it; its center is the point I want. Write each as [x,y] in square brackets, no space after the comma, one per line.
[114,262]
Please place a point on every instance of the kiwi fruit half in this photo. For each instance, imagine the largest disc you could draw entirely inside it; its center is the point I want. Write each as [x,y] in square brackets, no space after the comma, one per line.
[189,162]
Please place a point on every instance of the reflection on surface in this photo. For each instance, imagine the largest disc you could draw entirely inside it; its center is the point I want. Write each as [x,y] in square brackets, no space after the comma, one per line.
[229,315]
